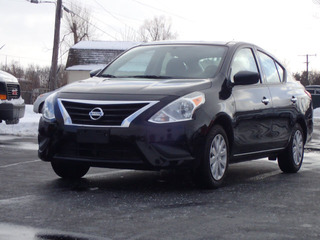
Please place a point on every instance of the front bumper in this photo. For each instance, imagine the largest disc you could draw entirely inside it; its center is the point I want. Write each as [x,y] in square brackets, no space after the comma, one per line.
[11,112]
[145,146]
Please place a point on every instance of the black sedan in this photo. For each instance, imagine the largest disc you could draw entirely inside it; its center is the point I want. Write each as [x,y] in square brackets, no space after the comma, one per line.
[197,106]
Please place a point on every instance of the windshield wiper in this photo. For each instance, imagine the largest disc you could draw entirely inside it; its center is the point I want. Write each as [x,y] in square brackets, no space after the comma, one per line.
[151,76]
[107,76]
[136,76]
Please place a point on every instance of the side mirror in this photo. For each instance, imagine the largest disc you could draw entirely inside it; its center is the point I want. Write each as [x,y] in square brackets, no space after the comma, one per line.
[246,78]
[94,72]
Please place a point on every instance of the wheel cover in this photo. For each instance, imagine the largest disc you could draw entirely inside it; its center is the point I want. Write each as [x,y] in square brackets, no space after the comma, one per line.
[297,147]
[218,157]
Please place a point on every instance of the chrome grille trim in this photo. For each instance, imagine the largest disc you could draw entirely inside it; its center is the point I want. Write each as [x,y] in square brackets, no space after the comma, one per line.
[125,123]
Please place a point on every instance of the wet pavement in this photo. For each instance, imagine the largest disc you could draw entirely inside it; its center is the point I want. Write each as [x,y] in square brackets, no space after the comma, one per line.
[258,201]
[15,232]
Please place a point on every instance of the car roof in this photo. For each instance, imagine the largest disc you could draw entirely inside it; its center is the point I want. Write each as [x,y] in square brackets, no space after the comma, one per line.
[230,44]
[223,43]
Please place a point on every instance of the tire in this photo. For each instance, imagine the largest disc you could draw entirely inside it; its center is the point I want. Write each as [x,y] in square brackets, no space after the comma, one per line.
[215,160]
[40,110]
[69,170]
[290,160]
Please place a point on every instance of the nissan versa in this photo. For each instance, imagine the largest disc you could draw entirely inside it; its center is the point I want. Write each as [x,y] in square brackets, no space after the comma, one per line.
[175,105]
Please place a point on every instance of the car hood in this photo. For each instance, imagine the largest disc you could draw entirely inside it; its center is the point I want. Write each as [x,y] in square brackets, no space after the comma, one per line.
[177,87]
[7,77]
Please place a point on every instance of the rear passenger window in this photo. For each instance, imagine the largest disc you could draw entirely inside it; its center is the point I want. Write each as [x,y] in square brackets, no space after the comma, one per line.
[280,71]
[269,68]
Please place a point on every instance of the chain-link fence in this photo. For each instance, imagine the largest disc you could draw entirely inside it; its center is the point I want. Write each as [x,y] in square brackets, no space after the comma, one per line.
[30,96]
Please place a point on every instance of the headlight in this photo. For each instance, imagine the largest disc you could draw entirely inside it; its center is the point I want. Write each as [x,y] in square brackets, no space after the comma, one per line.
[181,109]
[48,108]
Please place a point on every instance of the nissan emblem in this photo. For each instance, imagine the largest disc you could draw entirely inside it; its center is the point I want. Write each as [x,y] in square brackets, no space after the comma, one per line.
[96,113]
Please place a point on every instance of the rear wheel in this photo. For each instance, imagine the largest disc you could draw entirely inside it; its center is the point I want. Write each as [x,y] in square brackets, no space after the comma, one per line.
[69,170]
[215,160]
[290,160]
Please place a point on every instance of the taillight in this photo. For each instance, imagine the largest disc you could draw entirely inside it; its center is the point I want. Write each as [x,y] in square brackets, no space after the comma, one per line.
[3,91]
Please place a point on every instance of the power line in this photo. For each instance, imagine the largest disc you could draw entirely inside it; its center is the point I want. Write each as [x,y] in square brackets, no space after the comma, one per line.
[114,16]
[158,9]
[96,27]
[124,17]
[108,25]
[13,56]
[101,7]
[93,25]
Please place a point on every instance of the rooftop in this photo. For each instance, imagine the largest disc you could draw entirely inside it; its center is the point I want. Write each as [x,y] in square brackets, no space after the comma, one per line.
[86,55]
[105,45]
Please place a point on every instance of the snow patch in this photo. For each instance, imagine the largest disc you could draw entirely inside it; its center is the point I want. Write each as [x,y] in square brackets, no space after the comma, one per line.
[316,113]
[88,67]
[18,101]
[27,126]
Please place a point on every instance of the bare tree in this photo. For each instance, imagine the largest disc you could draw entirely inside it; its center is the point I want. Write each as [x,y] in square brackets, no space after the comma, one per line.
[78,26]
[159,28]
[129,34]
[14,68]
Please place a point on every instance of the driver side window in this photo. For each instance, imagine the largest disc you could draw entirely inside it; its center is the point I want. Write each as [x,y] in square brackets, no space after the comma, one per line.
[243,61]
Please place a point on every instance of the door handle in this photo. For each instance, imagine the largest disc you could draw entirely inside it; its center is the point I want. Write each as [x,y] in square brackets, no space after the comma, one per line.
[294,99]
[265,101]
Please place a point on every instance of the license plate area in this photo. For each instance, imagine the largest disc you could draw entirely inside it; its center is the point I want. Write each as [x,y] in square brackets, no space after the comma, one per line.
[93,136]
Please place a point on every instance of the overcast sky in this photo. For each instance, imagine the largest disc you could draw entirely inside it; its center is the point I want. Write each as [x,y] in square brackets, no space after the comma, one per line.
[285,28]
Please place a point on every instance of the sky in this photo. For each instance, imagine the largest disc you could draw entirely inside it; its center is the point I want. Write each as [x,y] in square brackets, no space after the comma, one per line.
[288,29]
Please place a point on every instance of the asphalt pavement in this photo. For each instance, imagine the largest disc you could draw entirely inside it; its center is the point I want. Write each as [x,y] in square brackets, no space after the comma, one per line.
[257,201]
[314,144]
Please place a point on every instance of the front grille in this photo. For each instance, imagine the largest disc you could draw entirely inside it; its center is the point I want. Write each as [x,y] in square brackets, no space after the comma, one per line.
[13,91]
[114,114]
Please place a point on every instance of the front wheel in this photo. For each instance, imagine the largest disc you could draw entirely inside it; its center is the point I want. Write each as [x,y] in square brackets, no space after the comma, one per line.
[290,160]
[215,160]
[69,170]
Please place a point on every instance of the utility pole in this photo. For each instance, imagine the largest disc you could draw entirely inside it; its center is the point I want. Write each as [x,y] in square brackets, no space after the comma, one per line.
[307,63]
[55,52]
[56,40]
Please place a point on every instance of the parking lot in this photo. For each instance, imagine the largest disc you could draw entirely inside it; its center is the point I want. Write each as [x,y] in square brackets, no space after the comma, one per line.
[258,201]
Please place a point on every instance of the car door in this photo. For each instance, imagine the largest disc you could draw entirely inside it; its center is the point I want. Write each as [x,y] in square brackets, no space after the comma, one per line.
[253,104]
[285,99]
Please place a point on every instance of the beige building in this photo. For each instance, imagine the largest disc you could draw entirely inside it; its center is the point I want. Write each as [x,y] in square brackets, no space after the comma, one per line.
[87,56]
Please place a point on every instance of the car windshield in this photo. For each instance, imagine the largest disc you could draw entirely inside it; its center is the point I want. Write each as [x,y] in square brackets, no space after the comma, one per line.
[167,61]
